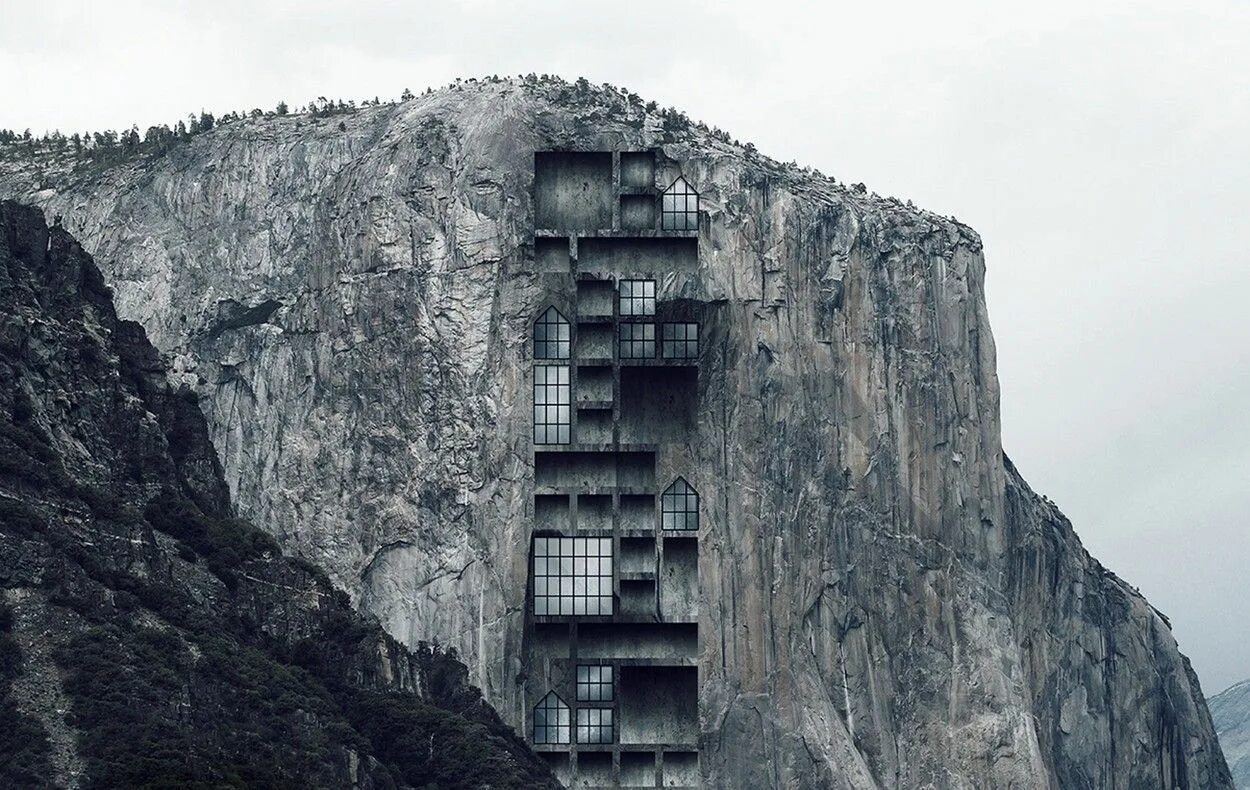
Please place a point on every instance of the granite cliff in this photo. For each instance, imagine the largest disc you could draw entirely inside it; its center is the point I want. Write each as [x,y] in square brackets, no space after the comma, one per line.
[147,638]
[885,601]
[1231,711]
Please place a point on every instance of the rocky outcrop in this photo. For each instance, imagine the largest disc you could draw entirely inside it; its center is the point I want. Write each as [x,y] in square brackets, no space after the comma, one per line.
[885,602]
[147,638]
[1231,711]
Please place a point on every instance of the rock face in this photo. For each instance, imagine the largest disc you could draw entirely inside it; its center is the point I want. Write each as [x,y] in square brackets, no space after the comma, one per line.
[885,603]
[147,638]
[1231,711]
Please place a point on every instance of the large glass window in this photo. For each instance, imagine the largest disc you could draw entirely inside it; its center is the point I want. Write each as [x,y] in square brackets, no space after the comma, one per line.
[679,207]
[679,341]
[637,297]
[637,341]
[551,720]
[572,576]
[594,725]
[679,506]
[551,336]
[594,683]
[553,398]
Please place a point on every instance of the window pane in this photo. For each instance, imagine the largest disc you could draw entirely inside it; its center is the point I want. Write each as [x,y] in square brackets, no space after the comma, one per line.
[552,336]
[679,506]
[552,404]
[572,576]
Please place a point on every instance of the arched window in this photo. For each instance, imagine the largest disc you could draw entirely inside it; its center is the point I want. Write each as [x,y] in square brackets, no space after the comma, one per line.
[679,506]
[679,207]
[551,335]
[551,721]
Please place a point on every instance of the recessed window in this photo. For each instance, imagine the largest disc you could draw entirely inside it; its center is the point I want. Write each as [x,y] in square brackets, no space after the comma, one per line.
[551,336]
[679,506]
[679,341]
[594,725]
[679,207]
[594,683]
[637,341]
[551,721]
[572,576]
[637,297]
[553,398]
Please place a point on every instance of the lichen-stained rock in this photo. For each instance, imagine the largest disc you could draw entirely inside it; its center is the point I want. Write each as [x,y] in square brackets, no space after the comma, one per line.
[885,603]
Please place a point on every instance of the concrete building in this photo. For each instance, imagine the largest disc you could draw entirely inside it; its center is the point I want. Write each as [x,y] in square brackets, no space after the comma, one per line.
[611,643]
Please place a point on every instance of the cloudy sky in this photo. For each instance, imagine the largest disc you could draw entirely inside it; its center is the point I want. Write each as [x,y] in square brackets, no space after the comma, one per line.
[1101,149]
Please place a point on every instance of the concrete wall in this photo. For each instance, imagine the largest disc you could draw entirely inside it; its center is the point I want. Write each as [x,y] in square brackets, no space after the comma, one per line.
[629,255]
[573,190]
[659,705]
[679,580]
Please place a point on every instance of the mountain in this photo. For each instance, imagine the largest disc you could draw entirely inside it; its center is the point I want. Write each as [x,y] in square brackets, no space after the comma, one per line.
[1230,709]
[885,602]
[147,637]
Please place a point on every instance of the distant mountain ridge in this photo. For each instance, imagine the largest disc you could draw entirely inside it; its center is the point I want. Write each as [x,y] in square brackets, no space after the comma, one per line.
[1230,710]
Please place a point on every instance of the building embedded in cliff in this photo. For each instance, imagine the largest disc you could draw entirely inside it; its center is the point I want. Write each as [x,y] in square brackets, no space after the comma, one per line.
[611,639]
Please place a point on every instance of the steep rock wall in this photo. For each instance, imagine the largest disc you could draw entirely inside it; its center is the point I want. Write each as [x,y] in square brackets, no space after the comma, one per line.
[885,601]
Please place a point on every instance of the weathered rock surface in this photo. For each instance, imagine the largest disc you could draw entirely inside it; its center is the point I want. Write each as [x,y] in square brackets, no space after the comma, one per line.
[147,638]
[886,603]
[1231,711]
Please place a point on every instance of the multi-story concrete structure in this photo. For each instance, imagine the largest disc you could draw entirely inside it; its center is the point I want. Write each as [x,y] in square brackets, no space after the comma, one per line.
[612,624]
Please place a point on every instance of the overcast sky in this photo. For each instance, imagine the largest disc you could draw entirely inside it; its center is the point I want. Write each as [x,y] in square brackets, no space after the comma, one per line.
[1102,149]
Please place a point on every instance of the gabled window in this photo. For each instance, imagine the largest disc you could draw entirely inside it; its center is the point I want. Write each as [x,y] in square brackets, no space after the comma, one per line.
[551,721]
[553,404]
[680,341]
[551,336]
[679,506]
[679,207]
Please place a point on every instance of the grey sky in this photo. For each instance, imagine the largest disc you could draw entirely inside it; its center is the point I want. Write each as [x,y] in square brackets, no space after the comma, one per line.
[1101,149]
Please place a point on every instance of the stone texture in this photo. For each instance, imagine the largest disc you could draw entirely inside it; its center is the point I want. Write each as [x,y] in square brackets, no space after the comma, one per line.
[147,638]
[885,602]
[1231,711]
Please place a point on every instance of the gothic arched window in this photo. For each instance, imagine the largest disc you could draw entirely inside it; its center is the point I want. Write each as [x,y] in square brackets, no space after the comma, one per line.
[679,207]
[551,336]
[679,506]
[552,724]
